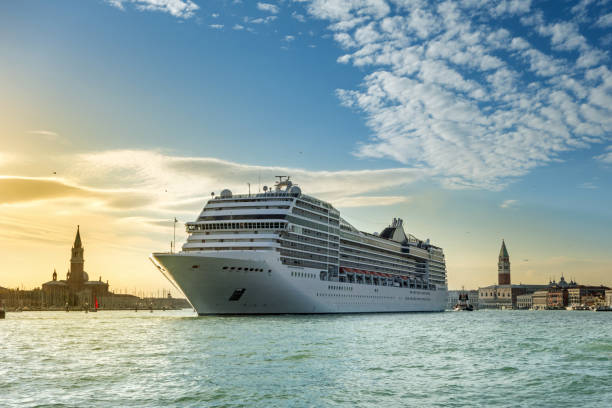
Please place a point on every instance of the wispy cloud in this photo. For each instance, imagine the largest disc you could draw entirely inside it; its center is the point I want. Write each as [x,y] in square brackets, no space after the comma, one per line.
[605,157]
[176,8]
[216,26]
[604,21]
[259,20]
[49,135]
[455,88]
[28,190]
[299,17]
[589,185]
[270,8]
[186,178]
[508,204]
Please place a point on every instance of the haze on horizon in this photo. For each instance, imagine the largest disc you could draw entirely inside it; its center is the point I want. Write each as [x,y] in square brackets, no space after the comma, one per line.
[472,120]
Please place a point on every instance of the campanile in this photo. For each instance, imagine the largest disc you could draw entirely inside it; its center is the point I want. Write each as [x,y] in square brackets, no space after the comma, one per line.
[503,266]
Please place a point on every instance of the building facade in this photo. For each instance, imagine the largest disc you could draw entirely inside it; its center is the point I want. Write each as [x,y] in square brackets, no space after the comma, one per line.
[540,299]
[76,289]
[524,301]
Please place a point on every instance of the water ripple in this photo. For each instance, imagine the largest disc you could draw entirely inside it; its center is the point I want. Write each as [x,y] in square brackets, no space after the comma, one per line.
[174,359]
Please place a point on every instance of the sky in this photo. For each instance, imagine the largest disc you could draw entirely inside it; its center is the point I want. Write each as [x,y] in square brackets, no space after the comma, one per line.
[472,120]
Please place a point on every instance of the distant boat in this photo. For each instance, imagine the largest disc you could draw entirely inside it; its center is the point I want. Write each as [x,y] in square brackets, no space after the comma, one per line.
[96,306]
[463,305]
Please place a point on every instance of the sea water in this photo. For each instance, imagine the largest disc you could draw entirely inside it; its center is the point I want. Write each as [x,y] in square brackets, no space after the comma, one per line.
[176,359]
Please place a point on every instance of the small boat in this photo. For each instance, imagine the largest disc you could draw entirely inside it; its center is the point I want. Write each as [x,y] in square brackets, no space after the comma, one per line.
[463,305]
[578,307]
[95,309]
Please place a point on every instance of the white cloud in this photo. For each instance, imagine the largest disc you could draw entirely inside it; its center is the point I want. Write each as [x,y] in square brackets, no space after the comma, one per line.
[605,157]
[216,26]
[289,38]
[260,20]
[169,180]
[589,185]
[299,17]
[455,88]
[508,204]
[176,8]
[604,21]
[370,201]
[270,8]
[238,27]
[49,136]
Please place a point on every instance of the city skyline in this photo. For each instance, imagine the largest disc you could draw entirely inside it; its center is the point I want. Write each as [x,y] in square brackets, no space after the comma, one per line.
[474,122]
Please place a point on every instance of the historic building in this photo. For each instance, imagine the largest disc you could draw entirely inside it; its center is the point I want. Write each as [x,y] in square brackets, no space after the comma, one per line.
[76,289]
[524,301]
[503,266]
[504,294]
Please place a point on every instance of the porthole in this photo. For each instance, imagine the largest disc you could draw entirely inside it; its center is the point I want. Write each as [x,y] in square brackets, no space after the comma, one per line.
[225,267]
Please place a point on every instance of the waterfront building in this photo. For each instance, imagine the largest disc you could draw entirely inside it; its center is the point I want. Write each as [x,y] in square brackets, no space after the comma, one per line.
[504,294]
[540,299]
[609,298]
[524,301]
[578,294]
[76,289]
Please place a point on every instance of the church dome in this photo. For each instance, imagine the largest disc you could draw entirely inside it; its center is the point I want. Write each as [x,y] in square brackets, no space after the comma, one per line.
[85,276]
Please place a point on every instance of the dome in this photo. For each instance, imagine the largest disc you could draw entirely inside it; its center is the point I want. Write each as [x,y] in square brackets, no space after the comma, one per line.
[226,193]
[85,276]
[295,191]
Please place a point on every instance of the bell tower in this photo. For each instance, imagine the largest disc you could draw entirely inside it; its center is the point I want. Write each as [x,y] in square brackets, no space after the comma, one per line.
[77,262]
[503,266]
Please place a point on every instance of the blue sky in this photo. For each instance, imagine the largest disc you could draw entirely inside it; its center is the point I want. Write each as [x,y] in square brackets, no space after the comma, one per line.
[473,120]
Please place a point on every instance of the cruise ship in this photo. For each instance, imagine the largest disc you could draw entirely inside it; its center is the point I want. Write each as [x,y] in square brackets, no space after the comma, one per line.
[282,251]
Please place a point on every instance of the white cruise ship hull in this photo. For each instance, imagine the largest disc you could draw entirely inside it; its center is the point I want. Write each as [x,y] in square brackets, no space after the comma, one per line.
[260,284]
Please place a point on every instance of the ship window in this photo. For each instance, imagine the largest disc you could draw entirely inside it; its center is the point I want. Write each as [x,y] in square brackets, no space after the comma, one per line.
[232,268]
[239,269]
[225,267]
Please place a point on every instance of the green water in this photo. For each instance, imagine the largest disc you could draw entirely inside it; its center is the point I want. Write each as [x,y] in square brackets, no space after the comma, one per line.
[168,359]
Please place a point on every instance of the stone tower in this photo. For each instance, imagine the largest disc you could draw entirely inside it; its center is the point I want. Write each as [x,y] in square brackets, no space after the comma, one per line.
[77,276]
[503,266]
